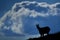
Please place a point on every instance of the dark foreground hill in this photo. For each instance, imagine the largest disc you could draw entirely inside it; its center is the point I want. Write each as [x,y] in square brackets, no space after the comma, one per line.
[55,36]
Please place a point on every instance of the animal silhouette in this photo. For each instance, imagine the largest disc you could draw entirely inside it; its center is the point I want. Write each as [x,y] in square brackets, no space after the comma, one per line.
[44,30]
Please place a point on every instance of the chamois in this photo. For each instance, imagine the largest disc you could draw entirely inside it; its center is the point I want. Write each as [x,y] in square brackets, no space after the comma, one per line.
[44,30]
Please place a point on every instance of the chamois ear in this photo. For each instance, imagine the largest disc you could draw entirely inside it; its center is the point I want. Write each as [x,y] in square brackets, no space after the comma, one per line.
[37,24]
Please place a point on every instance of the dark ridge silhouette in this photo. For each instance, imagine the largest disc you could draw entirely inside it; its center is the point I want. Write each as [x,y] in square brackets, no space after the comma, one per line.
[55,36]
[44,30]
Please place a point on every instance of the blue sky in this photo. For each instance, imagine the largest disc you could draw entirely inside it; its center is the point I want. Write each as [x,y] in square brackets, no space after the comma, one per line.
[20,20]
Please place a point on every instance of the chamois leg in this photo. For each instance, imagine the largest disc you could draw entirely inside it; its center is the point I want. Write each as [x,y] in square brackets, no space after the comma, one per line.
[42,35]
[47,33]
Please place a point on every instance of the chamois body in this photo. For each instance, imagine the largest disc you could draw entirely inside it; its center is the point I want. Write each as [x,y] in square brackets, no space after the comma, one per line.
[44,30]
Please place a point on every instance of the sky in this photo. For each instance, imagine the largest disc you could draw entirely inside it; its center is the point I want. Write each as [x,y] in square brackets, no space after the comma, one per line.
[18,18]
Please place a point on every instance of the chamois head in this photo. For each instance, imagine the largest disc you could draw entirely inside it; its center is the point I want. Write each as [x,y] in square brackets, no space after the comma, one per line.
[37,25]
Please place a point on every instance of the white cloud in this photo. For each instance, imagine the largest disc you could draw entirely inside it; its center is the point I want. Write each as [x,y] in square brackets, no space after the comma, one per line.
[7,28]
[33,36]
[43,4]
[35,14]
[52,7]
[17,17]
